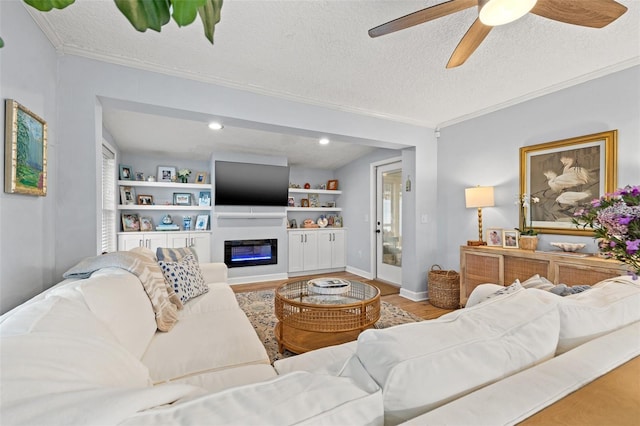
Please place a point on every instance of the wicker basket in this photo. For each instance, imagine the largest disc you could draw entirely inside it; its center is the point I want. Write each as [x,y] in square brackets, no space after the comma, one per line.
[444,288]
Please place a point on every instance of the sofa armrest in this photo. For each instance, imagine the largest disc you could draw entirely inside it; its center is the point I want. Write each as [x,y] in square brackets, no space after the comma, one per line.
[215,272]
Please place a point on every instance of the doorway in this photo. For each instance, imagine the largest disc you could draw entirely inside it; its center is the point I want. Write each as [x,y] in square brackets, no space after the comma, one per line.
[388,222]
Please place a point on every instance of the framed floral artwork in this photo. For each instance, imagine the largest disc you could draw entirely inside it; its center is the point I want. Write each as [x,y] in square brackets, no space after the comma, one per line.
[565,176]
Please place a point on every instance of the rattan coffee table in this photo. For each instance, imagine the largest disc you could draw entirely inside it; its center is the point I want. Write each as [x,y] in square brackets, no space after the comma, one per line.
[308,321]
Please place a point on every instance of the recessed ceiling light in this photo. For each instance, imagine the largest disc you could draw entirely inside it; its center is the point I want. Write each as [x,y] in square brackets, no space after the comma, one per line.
[324,141]
[215,126]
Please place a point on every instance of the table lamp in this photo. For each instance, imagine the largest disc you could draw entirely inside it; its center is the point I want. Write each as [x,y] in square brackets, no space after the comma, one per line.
[479,197]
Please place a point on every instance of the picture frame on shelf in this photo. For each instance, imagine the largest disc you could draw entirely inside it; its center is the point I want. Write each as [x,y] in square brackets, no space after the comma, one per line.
[304,202]
[204,198]
[565,175]
[166,174]
[24,132]
[127,195]
[201,177]
[314,200]
[139,176]
[130,222]
[291,202]
[145,200]
[126,172]
[494,237]
[510,238]
[181,199]
[337,221]
[332,185]
[146,224]
[202,222]
[293,223]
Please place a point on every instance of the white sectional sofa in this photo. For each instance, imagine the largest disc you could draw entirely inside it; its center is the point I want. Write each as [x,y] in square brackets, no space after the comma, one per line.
[87,351]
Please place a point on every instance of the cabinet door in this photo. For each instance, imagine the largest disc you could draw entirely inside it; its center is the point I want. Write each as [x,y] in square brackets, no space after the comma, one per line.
[201,243]
[338,250]
[325,248]
[127,242]
[310,251]
[178,239]
[154,240]
[296,251]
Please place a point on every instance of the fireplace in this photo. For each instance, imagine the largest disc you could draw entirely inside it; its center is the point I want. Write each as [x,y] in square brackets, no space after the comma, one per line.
[239,253]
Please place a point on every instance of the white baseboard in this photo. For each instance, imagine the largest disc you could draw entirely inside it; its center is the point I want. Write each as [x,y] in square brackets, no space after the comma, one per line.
[257,278]
[413,296]
[364,274]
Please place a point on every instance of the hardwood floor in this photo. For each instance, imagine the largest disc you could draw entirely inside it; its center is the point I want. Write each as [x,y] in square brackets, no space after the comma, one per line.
[422,309]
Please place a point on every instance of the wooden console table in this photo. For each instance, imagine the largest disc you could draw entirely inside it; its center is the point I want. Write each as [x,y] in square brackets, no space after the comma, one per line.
[482,264]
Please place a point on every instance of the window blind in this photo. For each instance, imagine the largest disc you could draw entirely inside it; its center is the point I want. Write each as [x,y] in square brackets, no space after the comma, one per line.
[108,239]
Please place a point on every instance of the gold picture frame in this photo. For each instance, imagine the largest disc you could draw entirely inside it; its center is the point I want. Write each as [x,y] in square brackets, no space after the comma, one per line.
[565,176]
[25,155]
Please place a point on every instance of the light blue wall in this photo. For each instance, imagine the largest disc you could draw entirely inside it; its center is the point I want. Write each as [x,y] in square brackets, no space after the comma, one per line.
[485,151]
[27,223]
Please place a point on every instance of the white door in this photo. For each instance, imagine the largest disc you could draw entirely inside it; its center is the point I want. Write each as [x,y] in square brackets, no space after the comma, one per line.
[338,250]
[296,251]
[310,250]
[389,222]
[325,243]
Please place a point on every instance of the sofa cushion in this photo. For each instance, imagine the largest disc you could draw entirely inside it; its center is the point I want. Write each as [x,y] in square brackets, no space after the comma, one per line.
[328,360]
[202,343]
[423,365]
[145,252]
[296,398]
[220,297]
[536,281]
[185,277]
[174,254]
[118,299]
[215,381]
[484,292]
[607,306]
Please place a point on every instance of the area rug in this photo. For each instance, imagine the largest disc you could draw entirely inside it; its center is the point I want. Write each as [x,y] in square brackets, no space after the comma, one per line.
[258,306]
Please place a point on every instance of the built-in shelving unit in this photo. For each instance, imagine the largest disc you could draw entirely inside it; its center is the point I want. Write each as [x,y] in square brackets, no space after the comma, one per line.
[319,192]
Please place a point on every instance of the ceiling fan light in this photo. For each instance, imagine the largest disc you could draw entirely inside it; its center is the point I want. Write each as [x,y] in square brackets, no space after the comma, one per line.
[500,12]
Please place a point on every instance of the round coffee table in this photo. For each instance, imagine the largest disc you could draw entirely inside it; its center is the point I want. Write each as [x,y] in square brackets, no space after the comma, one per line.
[308,320]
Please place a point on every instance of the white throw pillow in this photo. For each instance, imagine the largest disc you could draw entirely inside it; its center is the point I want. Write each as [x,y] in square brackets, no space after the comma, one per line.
[538,282]
[485,292]
[423,365]
[185,277]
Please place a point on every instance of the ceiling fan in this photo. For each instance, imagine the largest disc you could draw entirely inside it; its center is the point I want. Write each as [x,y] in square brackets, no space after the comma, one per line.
[491,13]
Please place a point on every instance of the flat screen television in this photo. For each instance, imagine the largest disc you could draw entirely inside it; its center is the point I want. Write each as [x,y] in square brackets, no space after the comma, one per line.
[244,184]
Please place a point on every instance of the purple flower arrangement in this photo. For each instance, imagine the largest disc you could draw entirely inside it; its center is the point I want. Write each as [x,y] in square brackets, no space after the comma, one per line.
[615,220]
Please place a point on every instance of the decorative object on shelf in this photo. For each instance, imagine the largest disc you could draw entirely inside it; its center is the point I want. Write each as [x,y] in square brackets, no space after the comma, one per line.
[304,202]
[309,223]
[322,221]
[314,200]
[25,159]
[331,204]
[186,223]
[494,237]
[307,185]
[528,242]
[181,199]
[139,176]
[331,220]
[294,185]
[525,202]
[478,197]
[291,202]
[332,184]
[183,175]
[130,222]
[166,174]
[146,224]
[337,222]
[575,171]
[322,186]
[167,224]
[614,220]
[202,222]
[127,195]
[201,177]
[568,247]
[293,223]
[145,200]
[126,172]
[204,199]
[509,238]
[151,179]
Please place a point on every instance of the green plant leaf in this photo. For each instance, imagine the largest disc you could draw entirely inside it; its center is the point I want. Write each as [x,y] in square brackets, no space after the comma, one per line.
[210,16]
[47,5]
[185,11]
[144,14]
[1,43]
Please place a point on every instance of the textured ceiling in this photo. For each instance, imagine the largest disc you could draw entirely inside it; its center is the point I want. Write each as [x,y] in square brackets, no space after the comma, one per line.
[319,52]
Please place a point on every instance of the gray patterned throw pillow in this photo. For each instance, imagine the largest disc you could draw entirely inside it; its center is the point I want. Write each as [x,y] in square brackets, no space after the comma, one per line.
[185,277]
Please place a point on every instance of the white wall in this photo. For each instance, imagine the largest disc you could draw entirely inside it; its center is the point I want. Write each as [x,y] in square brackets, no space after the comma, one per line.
[28,74]
[485,151]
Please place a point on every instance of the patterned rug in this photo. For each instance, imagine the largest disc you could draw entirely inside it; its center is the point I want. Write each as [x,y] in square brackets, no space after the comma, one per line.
[258,306]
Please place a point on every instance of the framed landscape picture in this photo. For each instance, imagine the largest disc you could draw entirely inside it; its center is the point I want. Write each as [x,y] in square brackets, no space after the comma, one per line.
[565,176]
[25,155]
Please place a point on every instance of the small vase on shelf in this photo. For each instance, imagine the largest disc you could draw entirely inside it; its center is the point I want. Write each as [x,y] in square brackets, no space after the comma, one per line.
[184,179]
[528,242]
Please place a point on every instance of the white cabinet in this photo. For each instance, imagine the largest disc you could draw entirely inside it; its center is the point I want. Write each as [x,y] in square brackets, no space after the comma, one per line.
[331,249]
[150,240]
[303,251]
[199,241]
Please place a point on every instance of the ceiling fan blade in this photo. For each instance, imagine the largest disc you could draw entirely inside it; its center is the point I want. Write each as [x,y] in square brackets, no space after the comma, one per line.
[422,16]
[469,43]
[591,13]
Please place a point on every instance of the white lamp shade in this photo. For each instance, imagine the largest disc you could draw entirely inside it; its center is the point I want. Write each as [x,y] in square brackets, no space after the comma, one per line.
[479,196]
[500,12]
